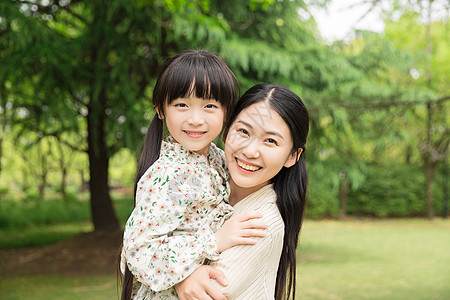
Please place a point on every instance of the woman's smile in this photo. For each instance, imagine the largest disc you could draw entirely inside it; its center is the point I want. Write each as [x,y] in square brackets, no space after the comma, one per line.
[247,166]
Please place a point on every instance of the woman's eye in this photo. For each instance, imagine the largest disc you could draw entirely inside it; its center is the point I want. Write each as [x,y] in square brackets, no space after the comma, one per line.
[211,106]
[242,130]
[272,141]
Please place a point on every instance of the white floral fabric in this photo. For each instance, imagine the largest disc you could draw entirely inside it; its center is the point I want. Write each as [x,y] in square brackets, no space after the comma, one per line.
[180,203]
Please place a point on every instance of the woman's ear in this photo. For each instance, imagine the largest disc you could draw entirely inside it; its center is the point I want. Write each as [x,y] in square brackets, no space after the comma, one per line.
[293,158]
[160,116]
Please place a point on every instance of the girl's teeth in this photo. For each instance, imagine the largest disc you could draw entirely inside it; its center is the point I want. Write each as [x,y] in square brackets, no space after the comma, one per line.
[247,167]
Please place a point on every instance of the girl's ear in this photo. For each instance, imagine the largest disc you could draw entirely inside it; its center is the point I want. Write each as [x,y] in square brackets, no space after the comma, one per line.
[160,116]
[293,158]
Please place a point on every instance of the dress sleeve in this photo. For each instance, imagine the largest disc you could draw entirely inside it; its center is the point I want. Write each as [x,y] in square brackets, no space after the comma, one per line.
[157,254]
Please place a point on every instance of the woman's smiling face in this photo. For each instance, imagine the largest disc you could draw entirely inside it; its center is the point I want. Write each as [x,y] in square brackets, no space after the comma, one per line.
[258,145]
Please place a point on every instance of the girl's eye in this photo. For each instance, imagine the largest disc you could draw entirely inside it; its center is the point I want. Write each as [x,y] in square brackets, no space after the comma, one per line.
[180,105]
[272,141]
[211,106]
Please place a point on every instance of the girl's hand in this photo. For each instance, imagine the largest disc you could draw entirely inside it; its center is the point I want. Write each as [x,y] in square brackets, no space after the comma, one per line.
[199,286]
[238,230]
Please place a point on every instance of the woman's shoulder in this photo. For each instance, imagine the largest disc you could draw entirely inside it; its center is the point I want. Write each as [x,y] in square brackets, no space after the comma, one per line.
[264,201]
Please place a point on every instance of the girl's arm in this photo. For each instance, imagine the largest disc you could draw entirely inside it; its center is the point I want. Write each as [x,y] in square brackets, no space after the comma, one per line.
[199,286]
[156,253]
[240,230]
[240,265]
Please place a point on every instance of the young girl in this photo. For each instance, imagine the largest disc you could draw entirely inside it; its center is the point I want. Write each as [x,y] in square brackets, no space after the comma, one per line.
[181,182]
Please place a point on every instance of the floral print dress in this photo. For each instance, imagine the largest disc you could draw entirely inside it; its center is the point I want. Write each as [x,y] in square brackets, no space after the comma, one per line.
[180,203]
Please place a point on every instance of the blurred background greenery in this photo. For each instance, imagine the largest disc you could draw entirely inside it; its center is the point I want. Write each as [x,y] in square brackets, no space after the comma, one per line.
[76,79]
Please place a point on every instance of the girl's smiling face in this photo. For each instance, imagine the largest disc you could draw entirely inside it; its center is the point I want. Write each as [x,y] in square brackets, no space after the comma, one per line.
[194,122]
[258,145]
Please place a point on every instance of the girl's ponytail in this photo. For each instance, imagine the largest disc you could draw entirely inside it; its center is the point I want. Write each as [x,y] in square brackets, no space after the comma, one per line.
[150,153]
[150,149]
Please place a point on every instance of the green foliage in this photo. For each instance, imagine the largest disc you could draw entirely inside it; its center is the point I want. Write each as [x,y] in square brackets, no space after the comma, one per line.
[25,223]
[40,235]
[65,62]
[19,214]
[22,214]
[392,191]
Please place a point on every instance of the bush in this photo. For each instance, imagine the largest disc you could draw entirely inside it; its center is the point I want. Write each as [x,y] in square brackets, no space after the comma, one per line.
[322,195]
[393,191]
[25,213]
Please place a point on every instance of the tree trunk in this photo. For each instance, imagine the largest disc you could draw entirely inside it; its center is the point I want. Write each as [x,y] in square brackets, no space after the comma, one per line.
[429,175]
[63,182]
[343,194]
[408,154]
[429,167]
[1,155]
[103,215]
[42,172]
[63,166]
[444,190]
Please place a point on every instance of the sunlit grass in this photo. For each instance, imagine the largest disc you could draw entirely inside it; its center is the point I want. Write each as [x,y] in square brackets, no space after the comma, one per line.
[40,235]
[394,259]
[370,259]
[59,287]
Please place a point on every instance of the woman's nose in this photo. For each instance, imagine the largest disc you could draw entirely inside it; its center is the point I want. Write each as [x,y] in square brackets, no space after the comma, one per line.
[251,150]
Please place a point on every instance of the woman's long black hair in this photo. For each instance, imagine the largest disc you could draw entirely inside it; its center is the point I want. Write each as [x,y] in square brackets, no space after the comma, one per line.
[290,184]
[190,73]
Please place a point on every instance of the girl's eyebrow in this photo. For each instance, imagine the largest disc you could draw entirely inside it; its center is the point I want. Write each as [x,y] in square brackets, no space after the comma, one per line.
[266,132]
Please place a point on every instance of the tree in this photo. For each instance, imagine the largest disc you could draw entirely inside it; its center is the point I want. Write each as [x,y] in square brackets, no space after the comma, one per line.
[428,72]
[91,65]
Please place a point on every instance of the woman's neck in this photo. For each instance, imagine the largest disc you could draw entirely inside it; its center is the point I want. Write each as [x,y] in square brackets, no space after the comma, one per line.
[238,193]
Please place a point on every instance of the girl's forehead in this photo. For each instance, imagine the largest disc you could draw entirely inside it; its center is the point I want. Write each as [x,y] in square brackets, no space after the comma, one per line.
[193,98]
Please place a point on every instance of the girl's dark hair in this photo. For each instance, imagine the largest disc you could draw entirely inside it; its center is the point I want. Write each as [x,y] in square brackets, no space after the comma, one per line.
[196,73]
[290,184]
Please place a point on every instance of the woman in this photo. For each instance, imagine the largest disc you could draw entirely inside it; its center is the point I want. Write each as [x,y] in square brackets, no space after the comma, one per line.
[264,149]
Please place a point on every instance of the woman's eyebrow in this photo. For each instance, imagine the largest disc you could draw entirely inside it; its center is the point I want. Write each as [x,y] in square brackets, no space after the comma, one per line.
[266,132]
[244,123]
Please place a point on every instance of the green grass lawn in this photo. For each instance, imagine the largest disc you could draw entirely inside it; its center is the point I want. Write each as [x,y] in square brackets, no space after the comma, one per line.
[379,259]
[59,287]
[393,259]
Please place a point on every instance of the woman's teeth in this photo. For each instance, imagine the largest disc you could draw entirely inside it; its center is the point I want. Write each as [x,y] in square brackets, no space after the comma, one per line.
[247,167]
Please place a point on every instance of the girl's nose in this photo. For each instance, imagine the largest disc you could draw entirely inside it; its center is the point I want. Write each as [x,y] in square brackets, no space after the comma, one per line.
[196,119]
[251,150]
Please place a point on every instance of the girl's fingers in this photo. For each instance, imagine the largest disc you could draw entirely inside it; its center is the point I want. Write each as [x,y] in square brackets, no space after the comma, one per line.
[248,216]
[206,297]
[215,294]
[246,241]
[254,223]
[253,233]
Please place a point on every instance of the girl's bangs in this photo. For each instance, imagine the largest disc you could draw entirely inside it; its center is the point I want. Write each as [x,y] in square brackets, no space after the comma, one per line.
[204,81]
